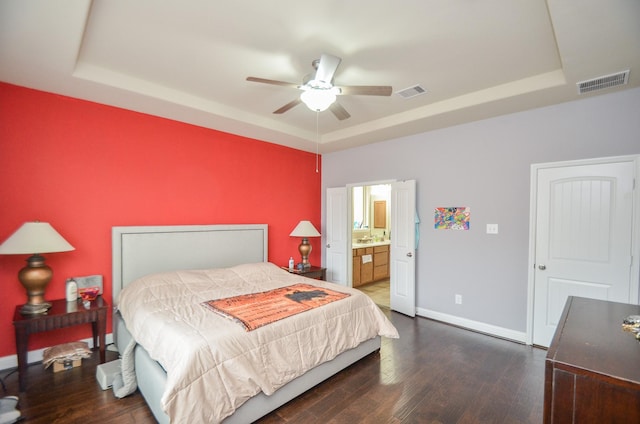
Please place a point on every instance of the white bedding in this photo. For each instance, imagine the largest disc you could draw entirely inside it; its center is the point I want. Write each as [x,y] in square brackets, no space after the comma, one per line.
[213,365]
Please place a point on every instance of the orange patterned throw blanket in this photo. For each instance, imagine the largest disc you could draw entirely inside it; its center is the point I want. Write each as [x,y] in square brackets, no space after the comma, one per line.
[258,309]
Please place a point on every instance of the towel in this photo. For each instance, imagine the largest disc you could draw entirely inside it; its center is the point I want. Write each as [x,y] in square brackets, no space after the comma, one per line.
[125,382]
[366,259]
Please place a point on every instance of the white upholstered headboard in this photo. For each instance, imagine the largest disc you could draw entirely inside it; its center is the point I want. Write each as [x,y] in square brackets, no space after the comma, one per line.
[138,251]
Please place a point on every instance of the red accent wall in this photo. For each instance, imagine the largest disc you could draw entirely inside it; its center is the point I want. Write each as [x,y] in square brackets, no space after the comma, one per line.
[85,167]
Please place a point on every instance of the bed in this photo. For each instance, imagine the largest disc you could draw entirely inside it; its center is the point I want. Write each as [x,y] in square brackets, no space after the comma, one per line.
[145,256]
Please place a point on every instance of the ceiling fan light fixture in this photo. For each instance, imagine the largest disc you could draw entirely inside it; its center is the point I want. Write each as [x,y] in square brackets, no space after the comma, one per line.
[318,91]
[318,100]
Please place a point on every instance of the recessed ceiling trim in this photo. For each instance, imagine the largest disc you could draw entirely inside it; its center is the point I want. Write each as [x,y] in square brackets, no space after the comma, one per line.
[606,81]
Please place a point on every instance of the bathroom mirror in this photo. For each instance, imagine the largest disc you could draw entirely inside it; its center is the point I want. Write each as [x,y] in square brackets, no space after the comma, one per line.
[360,208]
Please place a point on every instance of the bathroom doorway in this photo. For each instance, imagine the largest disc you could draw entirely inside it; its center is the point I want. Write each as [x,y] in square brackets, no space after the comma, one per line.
[371,241]
[402,233]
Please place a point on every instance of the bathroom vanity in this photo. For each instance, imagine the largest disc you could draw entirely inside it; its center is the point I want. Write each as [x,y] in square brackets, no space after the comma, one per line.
[370,262]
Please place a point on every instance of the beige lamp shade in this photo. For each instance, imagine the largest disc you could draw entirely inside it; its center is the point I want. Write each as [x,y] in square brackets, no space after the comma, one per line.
[305,229]
[35,237]
[32,239]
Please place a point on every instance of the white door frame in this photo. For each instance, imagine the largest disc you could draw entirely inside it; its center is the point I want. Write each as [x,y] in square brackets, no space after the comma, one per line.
[349,217]
[635,248]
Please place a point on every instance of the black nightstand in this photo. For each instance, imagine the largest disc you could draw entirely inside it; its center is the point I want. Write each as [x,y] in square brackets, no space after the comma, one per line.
[312,272]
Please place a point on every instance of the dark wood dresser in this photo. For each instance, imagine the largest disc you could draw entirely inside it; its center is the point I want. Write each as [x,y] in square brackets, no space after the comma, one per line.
[592,370]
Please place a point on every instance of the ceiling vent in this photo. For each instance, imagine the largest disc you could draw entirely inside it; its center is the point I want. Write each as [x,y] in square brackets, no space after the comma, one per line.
[407,93]
[606,81]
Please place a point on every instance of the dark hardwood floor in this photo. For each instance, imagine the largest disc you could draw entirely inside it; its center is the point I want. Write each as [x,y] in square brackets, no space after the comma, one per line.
[435,373]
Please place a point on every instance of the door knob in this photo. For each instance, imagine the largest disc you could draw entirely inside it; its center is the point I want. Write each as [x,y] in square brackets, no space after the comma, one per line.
[542,267]
[409,254]
[328,246]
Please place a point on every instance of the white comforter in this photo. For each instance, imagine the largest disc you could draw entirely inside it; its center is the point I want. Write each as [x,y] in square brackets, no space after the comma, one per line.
[213,365]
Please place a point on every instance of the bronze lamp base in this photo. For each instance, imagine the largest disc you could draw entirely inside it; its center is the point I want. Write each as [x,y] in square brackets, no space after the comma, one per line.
[34,278]
[305,248]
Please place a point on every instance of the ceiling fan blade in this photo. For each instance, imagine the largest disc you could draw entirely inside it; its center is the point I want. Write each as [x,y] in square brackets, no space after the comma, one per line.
[288,106]
[366,90]
[327,67]
[273,82]
[340,112]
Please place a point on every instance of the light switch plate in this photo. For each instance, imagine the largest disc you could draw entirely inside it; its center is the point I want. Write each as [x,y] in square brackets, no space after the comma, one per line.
[492,228]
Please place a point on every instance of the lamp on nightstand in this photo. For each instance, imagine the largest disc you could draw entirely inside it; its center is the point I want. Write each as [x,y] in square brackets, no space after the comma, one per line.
[35,238]
[305,229]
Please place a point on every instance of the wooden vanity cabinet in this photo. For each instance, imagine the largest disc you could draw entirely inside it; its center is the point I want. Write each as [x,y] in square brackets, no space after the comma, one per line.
[366,270]
[380,214]
[357,264]
[377,269]
[380,262]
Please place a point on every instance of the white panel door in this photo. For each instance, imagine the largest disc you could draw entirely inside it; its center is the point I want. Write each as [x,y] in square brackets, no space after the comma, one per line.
[583,243]
[337,236]
[403,243]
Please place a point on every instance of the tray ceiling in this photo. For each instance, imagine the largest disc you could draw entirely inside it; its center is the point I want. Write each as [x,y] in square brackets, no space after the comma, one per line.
[189,60]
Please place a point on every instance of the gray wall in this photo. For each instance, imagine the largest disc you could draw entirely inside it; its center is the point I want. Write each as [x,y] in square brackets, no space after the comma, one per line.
[486,165]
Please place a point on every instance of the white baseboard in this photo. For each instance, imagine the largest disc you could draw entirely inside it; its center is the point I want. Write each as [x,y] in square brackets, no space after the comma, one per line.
[481,327]
[11,361]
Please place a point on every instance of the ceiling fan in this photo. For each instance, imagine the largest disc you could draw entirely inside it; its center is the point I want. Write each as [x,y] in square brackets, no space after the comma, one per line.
[318,91]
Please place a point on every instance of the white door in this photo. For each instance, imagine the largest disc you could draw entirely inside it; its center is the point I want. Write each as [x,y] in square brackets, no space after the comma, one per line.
[337,234]
[583,239]
[403,243]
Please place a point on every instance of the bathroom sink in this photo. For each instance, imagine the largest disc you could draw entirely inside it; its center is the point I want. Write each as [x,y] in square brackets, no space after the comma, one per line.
[370,243]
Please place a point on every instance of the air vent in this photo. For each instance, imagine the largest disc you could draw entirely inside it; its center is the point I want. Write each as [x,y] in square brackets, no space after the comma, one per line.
[606,81]
[407,93]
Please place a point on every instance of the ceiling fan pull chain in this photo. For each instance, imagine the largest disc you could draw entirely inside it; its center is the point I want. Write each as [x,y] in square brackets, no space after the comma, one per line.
[317,137]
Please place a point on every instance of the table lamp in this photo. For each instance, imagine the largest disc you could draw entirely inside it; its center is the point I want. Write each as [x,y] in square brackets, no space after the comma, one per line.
[35,238]
[305,229]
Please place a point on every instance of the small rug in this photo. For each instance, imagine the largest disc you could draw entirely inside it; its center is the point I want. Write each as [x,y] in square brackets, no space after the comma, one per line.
[258,309]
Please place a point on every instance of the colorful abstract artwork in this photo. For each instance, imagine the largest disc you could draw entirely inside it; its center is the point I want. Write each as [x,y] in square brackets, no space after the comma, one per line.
[452,218]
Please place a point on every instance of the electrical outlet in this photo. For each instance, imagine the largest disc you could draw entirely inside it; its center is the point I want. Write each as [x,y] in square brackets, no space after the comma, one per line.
[458,299]
[492,228]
